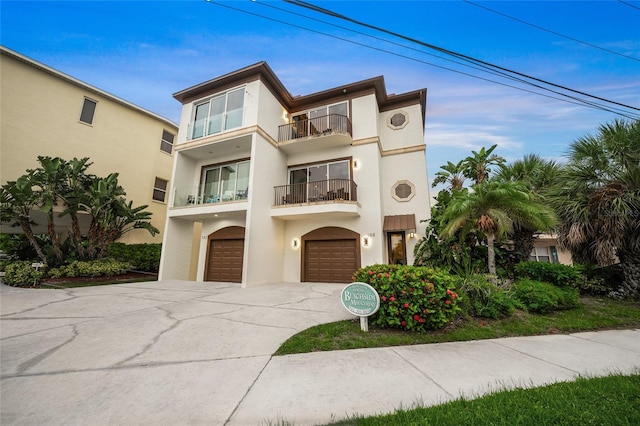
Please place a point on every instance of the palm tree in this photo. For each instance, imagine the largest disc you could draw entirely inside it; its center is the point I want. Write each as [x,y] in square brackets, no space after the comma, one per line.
[598,199]
[17,200]
[451,174]
[537,174]
[477,166]
[493,208]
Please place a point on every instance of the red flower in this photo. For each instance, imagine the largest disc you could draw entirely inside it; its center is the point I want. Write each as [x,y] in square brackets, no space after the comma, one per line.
[393,299]
[420,320]
[403,323]
[406,305]
[417,317]
[387,275]
[447,302]
[370,272]
[384,298]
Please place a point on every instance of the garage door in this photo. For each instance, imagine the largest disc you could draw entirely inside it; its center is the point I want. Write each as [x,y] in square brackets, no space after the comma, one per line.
[330,261]
[225,255]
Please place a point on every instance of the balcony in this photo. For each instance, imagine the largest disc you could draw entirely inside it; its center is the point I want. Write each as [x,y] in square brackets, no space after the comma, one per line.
[334,197]
[315,133]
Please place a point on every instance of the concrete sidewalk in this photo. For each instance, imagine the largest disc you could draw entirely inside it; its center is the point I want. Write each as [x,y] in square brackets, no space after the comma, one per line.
[189,353]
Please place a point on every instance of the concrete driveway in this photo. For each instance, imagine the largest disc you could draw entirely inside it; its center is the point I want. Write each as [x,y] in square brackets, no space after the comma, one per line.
[161,353]
[186,353]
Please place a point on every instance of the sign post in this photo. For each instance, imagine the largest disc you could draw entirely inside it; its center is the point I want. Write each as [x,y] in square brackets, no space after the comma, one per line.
[361,300]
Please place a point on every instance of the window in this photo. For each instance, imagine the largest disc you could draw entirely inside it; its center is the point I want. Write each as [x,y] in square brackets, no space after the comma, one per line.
[166,144]
[403,190]
[88,111]
[225,182]
[220,113]
[398,120]
[544,254]
[160,190]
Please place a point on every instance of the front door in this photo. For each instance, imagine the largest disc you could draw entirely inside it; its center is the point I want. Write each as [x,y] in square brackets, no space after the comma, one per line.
[397,248]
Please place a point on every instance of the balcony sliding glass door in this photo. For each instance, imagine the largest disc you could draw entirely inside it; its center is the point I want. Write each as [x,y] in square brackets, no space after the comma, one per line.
[226,182]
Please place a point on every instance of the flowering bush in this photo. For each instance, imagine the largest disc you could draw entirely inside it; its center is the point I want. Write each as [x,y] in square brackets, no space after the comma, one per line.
[21,274]
[411,297]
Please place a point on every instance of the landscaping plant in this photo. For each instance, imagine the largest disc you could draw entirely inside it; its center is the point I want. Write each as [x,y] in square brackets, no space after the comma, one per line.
[541,297]
[411,297]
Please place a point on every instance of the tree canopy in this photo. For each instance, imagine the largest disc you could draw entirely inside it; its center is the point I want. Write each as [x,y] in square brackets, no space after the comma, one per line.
[60,187]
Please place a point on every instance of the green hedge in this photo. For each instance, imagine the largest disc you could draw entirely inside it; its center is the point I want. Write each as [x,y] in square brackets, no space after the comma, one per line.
[554,273]
[96,268]
[143,257]
[20,273]
[542,297]
[483,298]
[411,297]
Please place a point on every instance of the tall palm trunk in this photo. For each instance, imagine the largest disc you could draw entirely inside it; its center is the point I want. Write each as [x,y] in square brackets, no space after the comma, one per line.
[491,254]
[28,232]
[630,263]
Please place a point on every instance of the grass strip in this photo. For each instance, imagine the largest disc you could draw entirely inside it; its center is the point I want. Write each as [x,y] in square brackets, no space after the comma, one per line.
[592,314]
[613,400]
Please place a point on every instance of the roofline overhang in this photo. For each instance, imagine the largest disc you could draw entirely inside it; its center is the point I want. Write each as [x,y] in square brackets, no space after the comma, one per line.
[79,83]
[262,71]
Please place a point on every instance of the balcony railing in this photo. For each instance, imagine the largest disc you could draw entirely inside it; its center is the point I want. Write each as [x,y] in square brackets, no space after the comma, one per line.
[189,197]
[328,124]
[312,192]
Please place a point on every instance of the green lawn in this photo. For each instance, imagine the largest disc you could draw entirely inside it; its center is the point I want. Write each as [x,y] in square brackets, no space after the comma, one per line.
[592,314]
[613,400]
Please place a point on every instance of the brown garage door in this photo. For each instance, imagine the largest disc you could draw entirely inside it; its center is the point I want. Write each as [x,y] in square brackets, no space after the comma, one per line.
[330,261]
[225,254]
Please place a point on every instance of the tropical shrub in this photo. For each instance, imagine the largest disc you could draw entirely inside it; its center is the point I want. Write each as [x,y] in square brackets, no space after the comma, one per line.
[483,298]
[21,274]
[143,257]
[97,268]
[411,297]
[554,273]
[542,297]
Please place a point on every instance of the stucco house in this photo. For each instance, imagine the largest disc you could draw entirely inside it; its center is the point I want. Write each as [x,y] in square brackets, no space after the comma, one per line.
[46,112]
[270,187]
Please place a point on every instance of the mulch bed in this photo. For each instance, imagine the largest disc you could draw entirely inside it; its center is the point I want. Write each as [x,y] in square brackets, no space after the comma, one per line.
[123,277]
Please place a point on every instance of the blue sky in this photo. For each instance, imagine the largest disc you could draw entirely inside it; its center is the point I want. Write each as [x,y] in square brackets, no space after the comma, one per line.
[145,51]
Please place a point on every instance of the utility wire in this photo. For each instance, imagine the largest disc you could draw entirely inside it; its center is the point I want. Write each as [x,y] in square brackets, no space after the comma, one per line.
[566,98]
[498,73]
[629,4]
[449,52]
[550,31]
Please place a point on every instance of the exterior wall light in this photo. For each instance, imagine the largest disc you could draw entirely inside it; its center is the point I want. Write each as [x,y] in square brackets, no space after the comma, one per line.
[367,240]
[412,234]
[295,243]
[356,164]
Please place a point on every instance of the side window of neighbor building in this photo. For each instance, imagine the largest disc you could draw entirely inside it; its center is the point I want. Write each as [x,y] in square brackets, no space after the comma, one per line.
[166,144]
[88,111]
[160,190]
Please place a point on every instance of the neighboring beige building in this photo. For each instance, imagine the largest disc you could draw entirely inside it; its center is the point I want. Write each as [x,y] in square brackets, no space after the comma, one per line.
[46,112]
[268,187]
[546,249]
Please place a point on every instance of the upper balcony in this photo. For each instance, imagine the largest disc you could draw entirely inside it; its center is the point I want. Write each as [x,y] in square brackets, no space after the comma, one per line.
[315,133]
[333,197]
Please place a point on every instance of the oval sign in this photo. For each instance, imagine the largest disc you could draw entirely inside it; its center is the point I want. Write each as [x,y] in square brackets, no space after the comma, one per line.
[360,299]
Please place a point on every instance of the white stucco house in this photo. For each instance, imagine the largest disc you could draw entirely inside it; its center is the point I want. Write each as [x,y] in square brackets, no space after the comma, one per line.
[268,187]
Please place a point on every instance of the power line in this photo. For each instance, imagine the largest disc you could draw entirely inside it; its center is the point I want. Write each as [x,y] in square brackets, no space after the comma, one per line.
[566,98]
[550,31]
[449,52]
[629,4]
[573,99]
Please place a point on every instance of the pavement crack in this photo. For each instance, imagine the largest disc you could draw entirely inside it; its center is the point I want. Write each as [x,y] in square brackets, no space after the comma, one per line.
[5,316]
[39,358]
[247,392]
[422,373]
[176,322]
[527,354]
